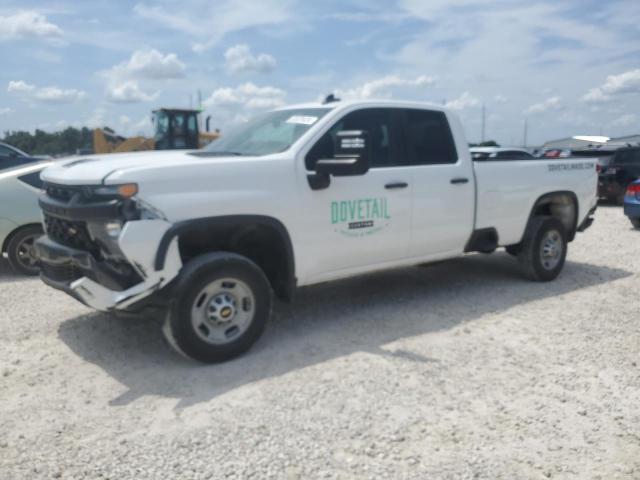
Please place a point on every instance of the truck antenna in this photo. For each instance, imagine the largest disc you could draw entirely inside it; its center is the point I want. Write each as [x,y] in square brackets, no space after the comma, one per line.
[331,98]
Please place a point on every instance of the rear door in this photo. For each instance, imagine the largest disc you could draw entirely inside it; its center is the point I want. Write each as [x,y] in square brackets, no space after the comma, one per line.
[442,185]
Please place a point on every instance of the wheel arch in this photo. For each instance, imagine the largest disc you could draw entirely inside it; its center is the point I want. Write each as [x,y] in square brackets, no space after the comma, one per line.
[561,204]
[263,239]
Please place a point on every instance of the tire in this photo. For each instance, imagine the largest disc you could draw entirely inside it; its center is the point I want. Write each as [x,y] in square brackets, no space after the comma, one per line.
[544,249]
[220,307]
[20,250]
[635,222]
[513,250]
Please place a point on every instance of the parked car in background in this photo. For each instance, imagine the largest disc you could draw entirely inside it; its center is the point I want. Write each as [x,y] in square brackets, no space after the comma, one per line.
[632,203]
[479,154]
[11,156]
[623,170]
[602,155]
[556,153]
[20,217]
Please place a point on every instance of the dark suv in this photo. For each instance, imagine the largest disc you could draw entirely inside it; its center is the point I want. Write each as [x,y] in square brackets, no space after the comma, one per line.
[623,169]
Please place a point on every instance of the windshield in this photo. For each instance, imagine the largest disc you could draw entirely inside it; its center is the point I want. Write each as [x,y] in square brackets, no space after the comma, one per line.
[268,133]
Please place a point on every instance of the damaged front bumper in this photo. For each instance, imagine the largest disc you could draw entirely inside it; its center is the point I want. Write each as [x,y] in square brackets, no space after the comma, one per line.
[81,275]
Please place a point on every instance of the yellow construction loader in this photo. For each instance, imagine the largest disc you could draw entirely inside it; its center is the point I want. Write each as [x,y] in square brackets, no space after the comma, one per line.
[175,129]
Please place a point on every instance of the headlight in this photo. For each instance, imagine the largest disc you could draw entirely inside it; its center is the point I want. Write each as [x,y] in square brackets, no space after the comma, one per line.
[126,190]
[113,229]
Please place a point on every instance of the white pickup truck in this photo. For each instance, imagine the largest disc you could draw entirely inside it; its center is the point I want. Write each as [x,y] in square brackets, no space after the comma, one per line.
[297,196]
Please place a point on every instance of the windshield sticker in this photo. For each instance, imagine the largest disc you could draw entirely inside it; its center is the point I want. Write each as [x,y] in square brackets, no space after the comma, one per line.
[302,120]
[360,218]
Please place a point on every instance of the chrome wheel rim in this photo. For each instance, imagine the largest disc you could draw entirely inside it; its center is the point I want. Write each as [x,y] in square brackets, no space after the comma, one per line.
[551,249]
[223,311]
[26,253]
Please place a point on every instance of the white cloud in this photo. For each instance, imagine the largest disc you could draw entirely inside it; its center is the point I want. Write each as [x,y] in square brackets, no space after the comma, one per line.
[626,120]
[383,87]
[464,101]
[553,103]
[209,22]
[627,82]
[20,86]
[45,94]
[59,95]
[500,99]
[148,64]
[27,24]
[129,92]
[5,111]
[247,95]
[240,59]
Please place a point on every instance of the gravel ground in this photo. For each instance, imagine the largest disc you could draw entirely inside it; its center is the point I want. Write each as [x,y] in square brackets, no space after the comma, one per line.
[457,370]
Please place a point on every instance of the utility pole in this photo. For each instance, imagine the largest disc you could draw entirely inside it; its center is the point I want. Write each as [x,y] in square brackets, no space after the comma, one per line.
[484,123]
[526,131]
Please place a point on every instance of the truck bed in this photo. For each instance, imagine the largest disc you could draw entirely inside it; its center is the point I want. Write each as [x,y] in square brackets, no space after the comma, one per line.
[506,189]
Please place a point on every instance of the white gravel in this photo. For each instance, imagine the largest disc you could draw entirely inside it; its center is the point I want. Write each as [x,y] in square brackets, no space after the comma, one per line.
[458,370]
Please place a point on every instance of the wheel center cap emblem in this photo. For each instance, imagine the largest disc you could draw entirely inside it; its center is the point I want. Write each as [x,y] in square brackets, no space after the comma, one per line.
[225,312]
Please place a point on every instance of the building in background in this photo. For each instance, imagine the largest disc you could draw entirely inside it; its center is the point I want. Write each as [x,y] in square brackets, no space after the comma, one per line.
[630,139]
[575,143]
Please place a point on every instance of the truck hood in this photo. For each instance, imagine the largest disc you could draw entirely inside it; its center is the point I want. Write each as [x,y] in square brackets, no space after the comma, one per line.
[94,169]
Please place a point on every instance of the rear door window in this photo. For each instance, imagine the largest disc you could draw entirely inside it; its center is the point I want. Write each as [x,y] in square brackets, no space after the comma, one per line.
[429,140]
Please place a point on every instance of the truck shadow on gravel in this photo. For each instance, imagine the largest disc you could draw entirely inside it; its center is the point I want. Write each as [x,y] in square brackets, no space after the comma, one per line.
[7,275]
[332,320]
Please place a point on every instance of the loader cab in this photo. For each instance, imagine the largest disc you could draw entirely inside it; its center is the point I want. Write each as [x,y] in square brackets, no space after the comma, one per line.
[176,129]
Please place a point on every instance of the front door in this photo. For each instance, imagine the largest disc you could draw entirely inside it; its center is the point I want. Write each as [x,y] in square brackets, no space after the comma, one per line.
[361,221]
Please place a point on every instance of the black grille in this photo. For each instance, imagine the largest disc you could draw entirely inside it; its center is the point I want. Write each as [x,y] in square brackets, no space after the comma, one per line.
[62,192]
[69,233]
[65,273]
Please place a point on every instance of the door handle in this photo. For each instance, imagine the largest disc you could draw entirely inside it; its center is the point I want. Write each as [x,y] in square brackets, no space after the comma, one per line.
[396,185]
[459,181]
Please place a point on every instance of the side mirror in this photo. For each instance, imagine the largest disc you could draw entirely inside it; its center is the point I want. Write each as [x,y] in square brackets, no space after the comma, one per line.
[352,153]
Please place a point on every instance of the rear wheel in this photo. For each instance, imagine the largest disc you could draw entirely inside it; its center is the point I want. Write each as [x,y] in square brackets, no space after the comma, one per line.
[635,222]
[221,306]
[513,250]
[20,250]
[544,249]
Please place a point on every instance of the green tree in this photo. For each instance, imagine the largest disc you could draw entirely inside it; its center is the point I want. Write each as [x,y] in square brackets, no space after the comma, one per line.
[65,142]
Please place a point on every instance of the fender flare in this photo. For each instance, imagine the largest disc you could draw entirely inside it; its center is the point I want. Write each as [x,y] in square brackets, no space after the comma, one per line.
[571,234]
[230,220]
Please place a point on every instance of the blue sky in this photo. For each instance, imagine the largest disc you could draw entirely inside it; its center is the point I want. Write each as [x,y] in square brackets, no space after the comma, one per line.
[570,67]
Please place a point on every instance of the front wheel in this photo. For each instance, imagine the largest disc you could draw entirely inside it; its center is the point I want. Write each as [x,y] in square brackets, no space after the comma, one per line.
[221,305]
[544,249]
[635,222]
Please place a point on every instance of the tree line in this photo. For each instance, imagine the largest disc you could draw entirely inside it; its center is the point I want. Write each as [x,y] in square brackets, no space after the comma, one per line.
[66,142]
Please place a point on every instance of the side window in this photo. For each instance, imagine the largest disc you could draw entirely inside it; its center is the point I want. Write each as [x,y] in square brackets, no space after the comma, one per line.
[376,121]
[192,126]
[429,139]
[5,151]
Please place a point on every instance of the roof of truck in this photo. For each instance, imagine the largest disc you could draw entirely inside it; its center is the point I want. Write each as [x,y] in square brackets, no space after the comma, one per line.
[373,102]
